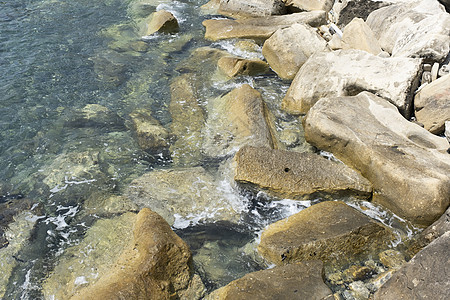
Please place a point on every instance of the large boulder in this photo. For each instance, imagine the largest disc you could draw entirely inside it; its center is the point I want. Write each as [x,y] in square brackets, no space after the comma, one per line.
[236,119]
[425,276]
[348,72]
[297,175]
[294,281]
[256,8]
[413,29]
[288,49]
[188,118]
[309,5]
[161,21]
[183,195]
[149,132]
[432,105]
[358,35]
[235,66]
[408,166]
[345,10]
[330,231]
[259,28]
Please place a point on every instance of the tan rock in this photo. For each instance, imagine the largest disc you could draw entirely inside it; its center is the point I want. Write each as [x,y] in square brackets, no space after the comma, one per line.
[330,231]
[309,5]
[259,28]
[348,72]
[297,175]
[288,49]
[392,259]
[255,8]
[239,118]
[432,105]
[358,35]
[149,132]
[161,21]
[188,119]
[234,66]
[294,281]
[367,133]
[335,43]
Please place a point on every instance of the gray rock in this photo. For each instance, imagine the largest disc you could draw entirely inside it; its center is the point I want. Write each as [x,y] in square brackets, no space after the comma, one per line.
[294,281]
[330,231]
[367,133]
[297,175]
[259,28]
[255,8]
[309,5]
[149,132]
[425,276]
[413,29]
[348,72]
[346,10]
[288,49]
[432,105]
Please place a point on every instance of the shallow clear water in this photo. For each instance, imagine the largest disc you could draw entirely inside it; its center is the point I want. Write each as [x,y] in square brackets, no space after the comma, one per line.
[58,56]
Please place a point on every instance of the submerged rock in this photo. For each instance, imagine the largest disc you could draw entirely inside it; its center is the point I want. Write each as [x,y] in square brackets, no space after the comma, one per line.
[234,66]
[368,133]
[288,49]
[432,105]
[330,231]
[259,28]
[358,35]
[161,21]
[425,276]
[297,175]
[149,132]
[190,194]
[239,118]
[95,115]
[256,8]
[348,72]
[413,29]
[294,281]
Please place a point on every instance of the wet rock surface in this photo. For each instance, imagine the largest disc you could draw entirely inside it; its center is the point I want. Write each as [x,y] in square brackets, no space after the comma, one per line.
[294,281]
[149,132]
[297,175]
[336,232]
[432,105]
[348,72]
[425,276]
[235,66]
[368,133]
[162,21]
[286,50]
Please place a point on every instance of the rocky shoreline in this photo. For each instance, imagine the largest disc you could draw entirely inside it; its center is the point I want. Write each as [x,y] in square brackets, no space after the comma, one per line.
[369,84]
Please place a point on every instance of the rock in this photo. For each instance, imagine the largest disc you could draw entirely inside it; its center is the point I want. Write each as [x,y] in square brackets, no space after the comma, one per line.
[255,8]
[259,28]
[309,5]
[348,72]
[444,70]
[95,115]
[447,130]
[432,105]
[288,49]
[358,35]
[413,29]
[149,132]
[344,11]
[111,67]
[434,71]
[156,264]
[392,259]
[102,204]
[161,21]
[446,3]
[335,233]
[234,66]
[297,175]
[202,60]
[188,119]
[182,194]
[10,206]
[359,290]
[425,276]
[236,119]
[294,281]
[335,43]
[142,8]
[367,133]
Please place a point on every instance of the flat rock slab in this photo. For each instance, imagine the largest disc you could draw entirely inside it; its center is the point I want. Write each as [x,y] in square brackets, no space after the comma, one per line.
[425,276]
[348,72]
[432,105]
[309,5]
[297,175]
[286,50]
[408,166]
[253,8]
[413,29]
[328,231]
[259,28]
[295,281]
